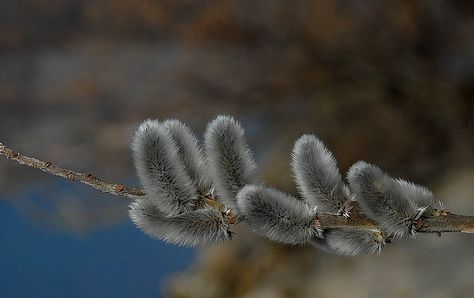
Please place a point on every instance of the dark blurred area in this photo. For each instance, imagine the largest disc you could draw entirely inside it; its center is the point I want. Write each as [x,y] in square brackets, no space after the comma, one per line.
[389,82]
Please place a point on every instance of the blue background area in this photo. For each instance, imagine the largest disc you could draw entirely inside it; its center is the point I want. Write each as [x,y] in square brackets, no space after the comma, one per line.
[116,262]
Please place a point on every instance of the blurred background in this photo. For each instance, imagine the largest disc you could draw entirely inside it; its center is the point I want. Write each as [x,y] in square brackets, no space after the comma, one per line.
[389,82]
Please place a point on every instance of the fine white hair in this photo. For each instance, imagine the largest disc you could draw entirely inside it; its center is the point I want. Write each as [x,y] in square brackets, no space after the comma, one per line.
[160,169]
[317,175]
[229,158]
[276,215]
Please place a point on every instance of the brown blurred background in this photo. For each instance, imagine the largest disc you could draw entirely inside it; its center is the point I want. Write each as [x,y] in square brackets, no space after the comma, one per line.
[389,82]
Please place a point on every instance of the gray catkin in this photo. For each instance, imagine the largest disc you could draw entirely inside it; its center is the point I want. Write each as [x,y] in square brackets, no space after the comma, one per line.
[317,176]
[382,199]
[353,242]
[200,227]
[229,158]
[276,215]
[160,170]
[421,196]
[191,154]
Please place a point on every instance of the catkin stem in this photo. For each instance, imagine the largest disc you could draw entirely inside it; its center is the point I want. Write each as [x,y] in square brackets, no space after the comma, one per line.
[445,222]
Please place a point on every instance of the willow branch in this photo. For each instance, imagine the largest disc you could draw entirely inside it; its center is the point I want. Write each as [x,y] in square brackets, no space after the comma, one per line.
[445,222]
[85,178]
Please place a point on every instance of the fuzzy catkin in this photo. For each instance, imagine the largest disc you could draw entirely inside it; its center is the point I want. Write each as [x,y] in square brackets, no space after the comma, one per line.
[200,227]
[190,154]
[276,215]
[229,158]
[317,176]
[353,242]
[382,199]
[161,172]
[421,196]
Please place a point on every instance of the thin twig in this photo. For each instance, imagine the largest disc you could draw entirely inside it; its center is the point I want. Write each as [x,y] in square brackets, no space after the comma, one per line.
[86,178]
[445,222]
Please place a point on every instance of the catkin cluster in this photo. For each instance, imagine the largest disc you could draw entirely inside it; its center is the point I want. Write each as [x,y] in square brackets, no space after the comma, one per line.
[180,178]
